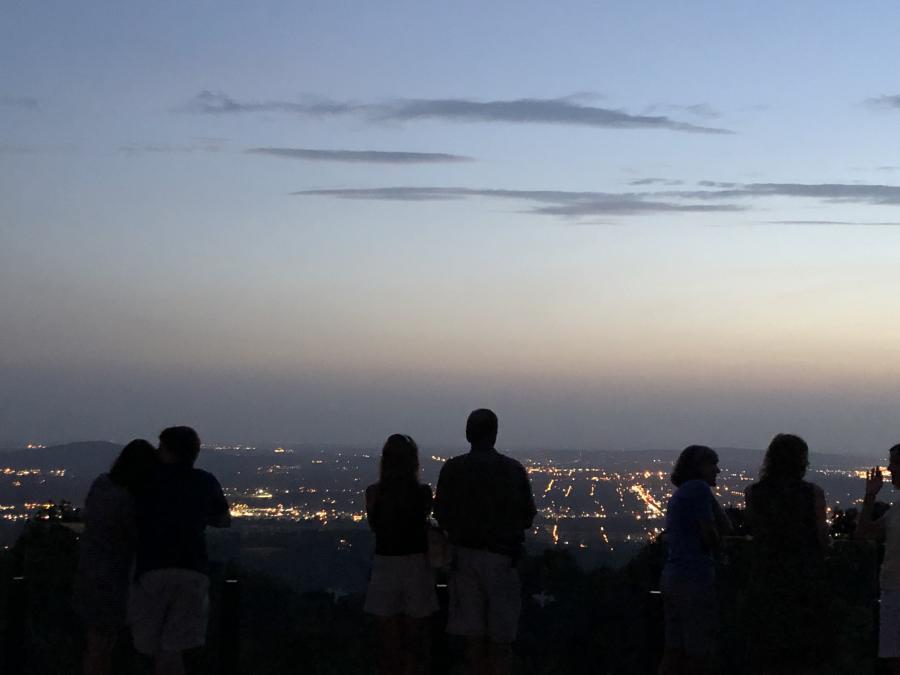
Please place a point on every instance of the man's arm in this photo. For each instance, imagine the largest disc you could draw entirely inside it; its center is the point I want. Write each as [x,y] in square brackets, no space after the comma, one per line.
[371,498]
[529,509]
[866,528]
[443,498]
[821,522]
[220,514]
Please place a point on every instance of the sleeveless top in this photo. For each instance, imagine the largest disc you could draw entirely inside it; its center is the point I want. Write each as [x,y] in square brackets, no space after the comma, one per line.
[399,516]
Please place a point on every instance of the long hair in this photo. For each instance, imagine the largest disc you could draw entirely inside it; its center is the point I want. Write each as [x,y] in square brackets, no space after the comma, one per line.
[786,458]
[687,466]
[133,467]
[399,461]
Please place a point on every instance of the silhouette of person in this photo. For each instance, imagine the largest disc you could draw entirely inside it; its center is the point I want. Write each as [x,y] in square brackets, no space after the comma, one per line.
[695,523]
[886,528]
[106,553]
[170,595]
[401,589]
[786,609]
[484,502]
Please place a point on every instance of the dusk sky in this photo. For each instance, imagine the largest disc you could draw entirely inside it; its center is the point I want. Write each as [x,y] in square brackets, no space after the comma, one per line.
[619,224]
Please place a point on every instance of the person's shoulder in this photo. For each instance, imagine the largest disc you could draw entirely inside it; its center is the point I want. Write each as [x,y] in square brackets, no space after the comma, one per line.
[102,482]
[695,488]
[455,463]
[511,462]
[205,477]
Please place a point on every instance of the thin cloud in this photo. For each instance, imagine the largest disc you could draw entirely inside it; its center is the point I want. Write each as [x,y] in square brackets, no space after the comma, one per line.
[656,181]
[165,149]
[531,110]
[888,195]
[543,202]
[22,102]
[853,223]
[701,110]
[360,156]
[885,101]
[217,103]
[583,204]
[572,111]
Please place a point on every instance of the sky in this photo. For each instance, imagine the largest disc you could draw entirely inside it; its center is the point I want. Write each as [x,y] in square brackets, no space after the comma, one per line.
[620,225]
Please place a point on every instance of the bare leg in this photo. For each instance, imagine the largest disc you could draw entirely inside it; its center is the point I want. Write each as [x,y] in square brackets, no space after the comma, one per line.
[499,658]
[476,655]
[417,641]
[672,662]
[98,652]
[391,648]
[169,663]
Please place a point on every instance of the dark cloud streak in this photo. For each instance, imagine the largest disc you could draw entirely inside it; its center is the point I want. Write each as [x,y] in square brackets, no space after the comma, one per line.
[21,102]
[360,156]
[544,202]
[565,111]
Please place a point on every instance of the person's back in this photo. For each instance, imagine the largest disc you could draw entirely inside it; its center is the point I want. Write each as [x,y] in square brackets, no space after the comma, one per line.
[691,505]
[172,515]
[484,501]
[398,514]
[782,518]
[106,547]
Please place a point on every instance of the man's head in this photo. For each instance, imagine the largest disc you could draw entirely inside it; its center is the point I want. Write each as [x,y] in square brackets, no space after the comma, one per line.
[481,428]
[894,466]
[179,445]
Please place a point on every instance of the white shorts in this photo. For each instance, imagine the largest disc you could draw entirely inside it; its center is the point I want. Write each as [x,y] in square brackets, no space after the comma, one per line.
[401,585]
[889,625]
[168,610]
[485,595]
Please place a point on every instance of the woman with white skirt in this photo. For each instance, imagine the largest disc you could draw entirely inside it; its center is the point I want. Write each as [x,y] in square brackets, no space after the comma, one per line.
[401,591]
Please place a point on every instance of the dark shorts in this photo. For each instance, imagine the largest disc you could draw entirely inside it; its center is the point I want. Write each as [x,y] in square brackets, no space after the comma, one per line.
[691,614]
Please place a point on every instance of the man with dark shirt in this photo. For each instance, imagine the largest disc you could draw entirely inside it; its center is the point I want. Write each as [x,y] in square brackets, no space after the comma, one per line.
[484,502]
[170,596]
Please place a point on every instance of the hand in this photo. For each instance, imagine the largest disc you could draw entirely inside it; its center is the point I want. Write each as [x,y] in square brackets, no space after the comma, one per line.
[874,482]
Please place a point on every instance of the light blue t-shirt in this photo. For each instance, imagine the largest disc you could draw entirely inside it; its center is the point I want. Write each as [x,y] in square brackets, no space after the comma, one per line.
[689,557]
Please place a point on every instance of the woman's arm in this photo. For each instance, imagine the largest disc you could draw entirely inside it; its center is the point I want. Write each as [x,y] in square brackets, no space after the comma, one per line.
[820,511]
[866,528]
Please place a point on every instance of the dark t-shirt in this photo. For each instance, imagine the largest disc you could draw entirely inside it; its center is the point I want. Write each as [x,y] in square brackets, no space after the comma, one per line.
[172,515]
[484,502]
[398,515]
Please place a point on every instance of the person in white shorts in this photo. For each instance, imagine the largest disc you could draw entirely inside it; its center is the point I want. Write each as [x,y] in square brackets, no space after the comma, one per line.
[485,504]
[170,596]
[401,591]
[887,528]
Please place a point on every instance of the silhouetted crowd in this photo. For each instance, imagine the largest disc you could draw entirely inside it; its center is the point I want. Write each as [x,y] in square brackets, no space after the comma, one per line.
[143,560]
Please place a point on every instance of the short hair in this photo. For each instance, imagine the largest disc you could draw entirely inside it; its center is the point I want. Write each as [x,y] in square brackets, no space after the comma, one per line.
[687,466]
[481,426]
[134,465]
[895,448]
[182,443]
[786,458]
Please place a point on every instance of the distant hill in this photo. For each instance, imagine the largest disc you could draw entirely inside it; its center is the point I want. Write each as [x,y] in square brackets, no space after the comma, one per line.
[86,458]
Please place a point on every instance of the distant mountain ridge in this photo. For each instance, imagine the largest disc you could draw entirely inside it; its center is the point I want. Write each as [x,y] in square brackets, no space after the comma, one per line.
[90,458]
[83,458]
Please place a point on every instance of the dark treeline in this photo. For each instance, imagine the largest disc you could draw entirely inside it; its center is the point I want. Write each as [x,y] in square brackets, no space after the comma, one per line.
[598,621]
